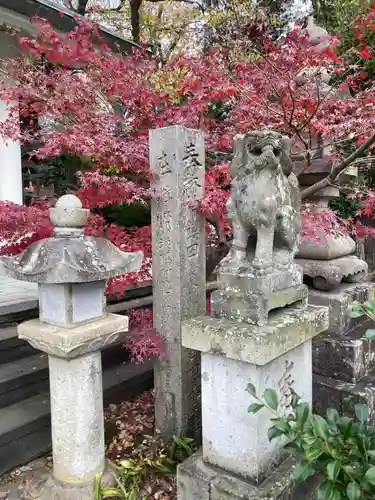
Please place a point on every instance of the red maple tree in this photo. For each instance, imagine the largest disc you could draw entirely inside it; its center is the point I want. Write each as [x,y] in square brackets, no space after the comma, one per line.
[100,105]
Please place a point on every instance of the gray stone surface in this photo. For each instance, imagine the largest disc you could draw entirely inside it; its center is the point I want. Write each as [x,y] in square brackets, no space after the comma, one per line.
[239,301]
[264,203]
[76,393]
[334,393]
[197,480]
[25,430]
[328,274]
[233,439]
[251,336]
[327,257]
[58,265]
[323,246]
[346,357]
[342,356]
[338,301]
[77,418]
[73,260]
[72,304]
[74,342]
[178,268]
[259,345]
[23,378]
[48,488]
[264,208]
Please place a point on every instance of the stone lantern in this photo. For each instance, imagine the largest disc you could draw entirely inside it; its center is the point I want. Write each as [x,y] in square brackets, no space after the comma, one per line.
[71,270]
[328,259]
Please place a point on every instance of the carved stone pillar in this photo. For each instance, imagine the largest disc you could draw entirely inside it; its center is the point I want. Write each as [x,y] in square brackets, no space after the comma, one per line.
[178,271]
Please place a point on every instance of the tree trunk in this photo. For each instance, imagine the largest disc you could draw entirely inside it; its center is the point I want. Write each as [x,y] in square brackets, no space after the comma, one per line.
[135,5]
[82,6]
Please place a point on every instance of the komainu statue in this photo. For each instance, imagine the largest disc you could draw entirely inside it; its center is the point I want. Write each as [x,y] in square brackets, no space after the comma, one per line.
[264,207]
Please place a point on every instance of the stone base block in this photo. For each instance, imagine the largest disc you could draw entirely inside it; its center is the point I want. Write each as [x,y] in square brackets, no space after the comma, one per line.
[338,301]
[251,280]
[343,396]
[328,274]
[249,296]
[50,489]
[253,308]
[286,329]
[227,425]
[348,358]
[198,481]
[73,342]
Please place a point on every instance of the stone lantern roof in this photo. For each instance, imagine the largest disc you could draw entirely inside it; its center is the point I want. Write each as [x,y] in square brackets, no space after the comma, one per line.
[70,256]
[318,36]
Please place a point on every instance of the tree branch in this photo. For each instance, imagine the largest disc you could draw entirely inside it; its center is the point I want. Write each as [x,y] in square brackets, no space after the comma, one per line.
[82,5]
[69,5]
[135,19]
[337,169]
[122,3]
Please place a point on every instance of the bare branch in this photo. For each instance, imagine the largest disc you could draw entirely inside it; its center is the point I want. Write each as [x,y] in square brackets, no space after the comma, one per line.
[337,169]
[68,4]
[120,6]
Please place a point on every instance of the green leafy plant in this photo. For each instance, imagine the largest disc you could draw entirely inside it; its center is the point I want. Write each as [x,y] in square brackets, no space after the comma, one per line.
[357,309]
[130,473]
[338,448]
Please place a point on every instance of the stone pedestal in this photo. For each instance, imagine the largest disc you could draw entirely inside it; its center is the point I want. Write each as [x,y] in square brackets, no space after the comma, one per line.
[74,326]
[75,372]
[252,340]
[198,480]
[225,414]
[343,358]
[249,297]
[237,456]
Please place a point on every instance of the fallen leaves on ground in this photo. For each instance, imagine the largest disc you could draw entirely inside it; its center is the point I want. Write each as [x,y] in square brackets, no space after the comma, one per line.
[129,430]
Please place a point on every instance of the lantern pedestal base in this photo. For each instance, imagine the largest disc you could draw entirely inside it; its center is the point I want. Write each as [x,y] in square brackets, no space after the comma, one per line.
[49,488]
[75,375]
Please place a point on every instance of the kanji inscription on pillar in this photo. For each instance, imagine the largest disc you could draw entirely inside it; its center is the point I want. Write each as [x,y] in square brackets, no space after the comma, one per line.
[178,246]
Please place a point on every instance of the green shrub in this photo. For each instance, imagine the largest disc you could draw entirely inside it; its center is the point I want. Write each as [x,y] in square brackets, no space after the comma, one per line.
[130,474]
[338,448]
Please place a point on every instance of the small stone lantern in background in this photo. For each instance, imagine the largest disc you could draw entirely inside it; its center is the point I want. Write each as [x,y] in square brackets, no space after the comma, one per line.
[71,270]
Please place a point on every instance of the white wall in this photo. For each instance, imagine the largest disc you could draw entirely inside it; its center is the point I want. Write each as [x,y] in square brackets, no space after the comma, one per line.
[11,187]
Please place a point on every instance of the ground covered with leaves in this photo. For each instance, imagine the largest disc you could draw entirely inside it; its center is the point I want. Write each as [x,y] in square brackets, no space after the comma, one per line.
[143,465]
[131,439]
